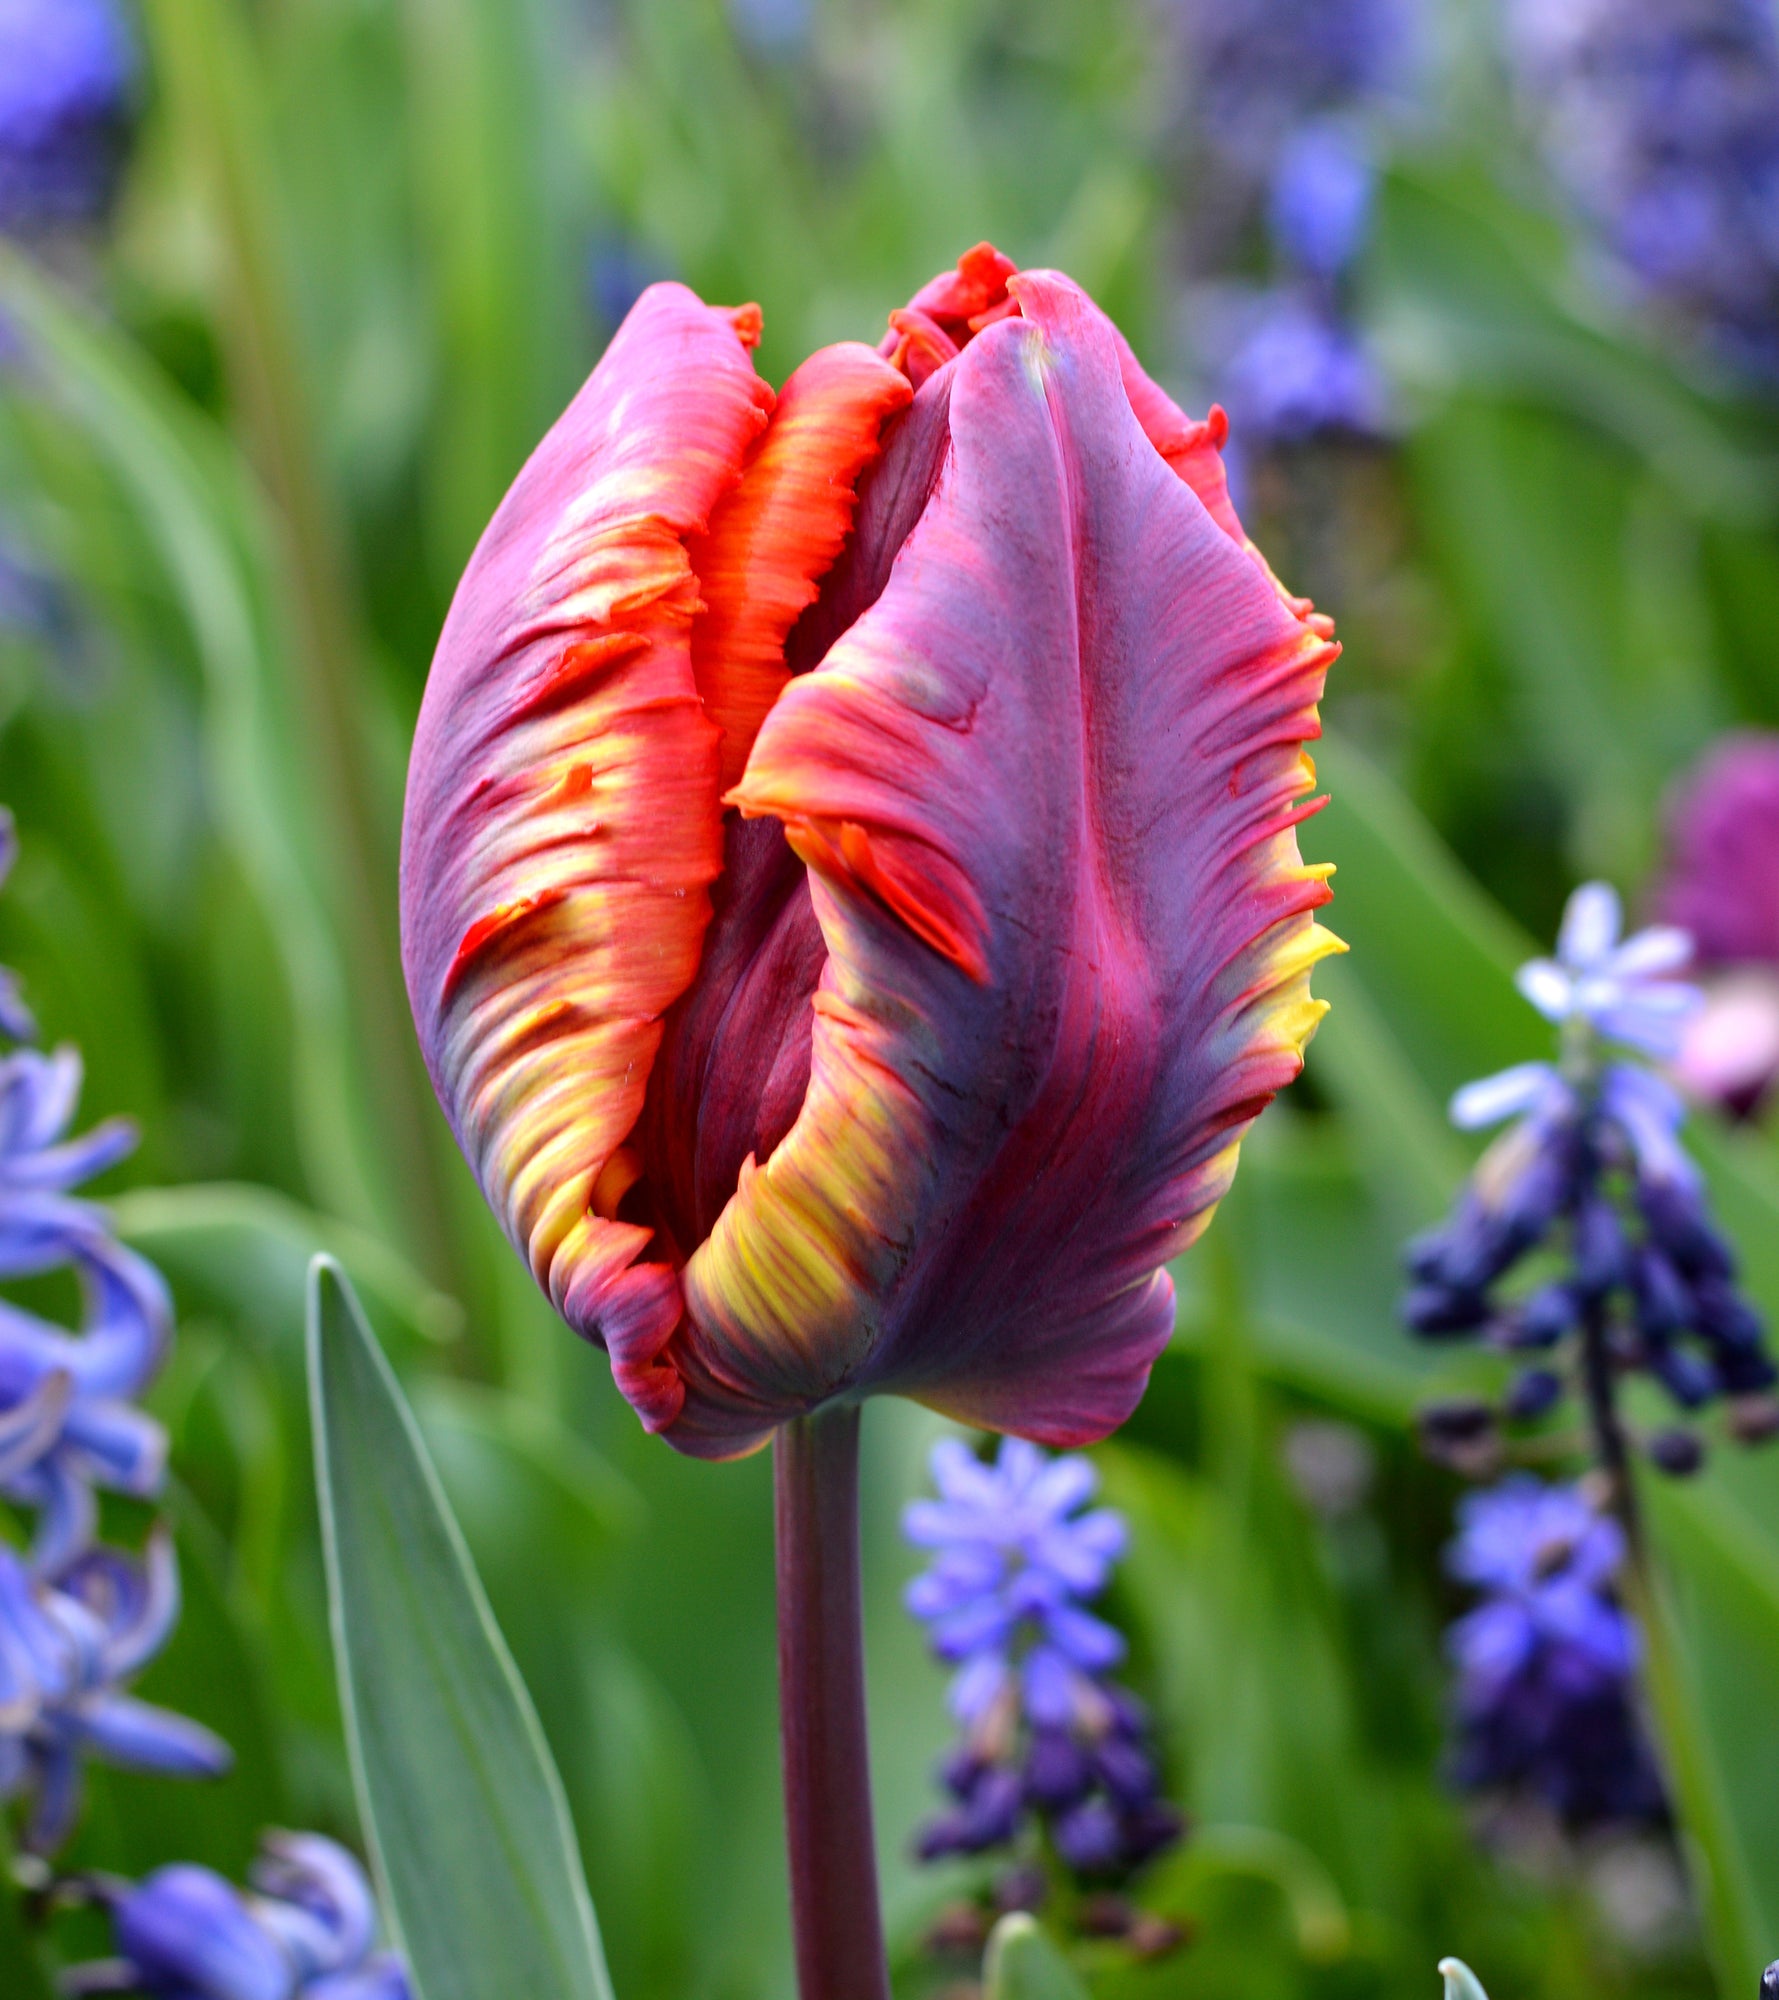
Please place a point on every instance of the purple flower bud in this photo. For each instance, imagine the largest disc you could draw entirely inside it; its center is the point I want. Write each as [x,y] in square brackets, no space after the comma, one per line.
[1127,1772]
[1436,1310]
[1602,1256]
[1533,1394]
[1089,1838]
[1678,1223]
[1691,1381]
[1058,1771]
[1551,1311]
[1725,1316]
[1743,1371]
[1676,1452]
[1457,1420]
[1664,1305]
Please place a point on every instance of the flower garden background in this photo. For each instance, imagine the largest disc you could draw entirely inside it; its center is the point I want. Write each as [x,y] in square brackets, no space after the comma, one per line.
[1427,1604]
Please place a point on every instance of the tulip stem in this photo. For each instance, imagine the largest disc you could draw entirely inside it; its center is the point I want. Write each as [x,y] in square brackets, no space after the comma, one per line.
[821,1683]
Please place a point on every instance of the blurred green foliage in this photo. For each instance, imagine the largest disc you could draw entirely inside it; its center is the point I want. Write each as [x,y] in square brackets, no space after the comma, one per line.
[359,270]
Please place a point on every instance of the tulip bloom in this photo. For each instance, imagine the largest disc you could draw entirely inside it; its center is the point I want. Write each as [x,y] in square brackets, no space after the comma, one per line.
[851,899]
[852,909]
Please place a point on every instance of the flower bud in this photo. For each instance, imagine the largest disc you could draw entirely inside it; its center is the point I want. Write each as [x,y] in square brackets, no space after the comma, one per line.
[1602,1256]
[1533,1394]
[1676,1452]
[1547,1315]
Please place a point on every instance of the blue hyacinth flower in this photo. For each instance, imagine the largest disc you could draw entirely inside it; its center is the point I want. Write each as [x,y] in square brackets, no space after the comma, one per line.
[67,81]
[67,1417]
[67,1653]
[306,1930]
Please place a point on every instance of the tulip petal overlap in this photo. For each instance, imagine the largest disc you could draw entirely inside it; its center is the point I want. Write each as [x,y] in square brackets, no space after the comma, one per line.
[1011,936]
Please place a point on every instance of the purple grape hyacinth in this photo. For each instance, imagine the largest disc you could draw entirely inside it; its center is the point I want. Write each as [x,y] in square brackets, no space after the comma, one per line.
[1045,1732]
[307,1930]
[1259,69]
[67,79]
[1660,118]
[67,1653]
[1592,1168]
[1301,373]
[1281,93]
[1546,1699]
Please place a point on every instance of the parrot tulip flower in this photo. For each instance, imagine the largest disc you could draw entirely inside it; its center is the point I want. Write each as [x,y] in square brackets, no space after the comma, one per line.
[852,909]
[850,891]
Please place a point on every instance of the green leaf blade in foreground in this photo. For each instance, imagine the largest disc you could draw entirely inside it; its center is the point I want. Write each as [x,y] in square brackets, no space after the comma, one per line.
[462,1806]
[1023,1964]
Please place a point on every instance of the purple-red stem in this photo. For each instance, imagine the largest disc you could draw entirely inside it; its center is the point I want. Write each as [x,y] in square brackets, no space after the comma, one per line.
[821,1693]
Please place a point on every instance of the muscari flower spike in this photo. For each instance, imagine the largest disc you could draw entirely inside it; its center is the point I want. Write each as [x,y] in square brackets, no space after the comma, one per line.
[851,899]
[1047,1736]
[67,79]
[1660,118]
[1593,1173]
[67,1653]
[307,1930]
[1546,1696]
[1259,70]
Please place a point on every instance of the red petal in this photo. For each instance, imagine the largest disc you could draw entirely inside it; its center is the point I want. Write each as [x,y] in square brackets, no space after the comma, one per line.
[563,823]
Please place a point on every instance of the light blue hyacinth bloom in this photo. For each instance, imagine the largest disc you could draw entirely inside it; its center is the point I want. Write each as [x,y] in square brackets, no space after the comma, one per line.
[68,1652]
[305,1930]
[68,1420]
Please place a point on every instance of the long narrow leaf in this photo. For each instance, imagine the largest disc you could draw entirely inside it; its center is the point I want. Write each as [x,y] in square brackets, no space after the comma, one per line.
[462,1805]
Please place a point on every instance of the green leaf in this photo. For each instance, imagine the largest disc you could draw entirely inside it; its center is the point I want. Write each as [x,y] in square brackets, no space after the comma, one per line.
[1460,1982]
[1023,1964]
[464,1810]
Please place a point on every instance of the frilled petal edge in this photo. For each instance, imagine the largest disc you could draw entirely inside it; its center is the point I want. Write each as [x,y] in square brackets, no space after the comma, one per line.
[1047,789]
[562,823]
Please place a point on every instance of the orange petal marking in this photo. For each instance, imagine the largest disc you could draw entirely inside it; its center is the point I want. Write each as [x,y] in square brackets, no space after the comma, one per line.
[777,532]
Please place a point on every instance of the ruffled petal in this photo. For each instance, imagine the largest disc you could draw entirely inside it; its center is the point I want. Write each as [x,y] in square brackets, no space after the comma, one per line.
[777,531]
[562,824]
[1047,789]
